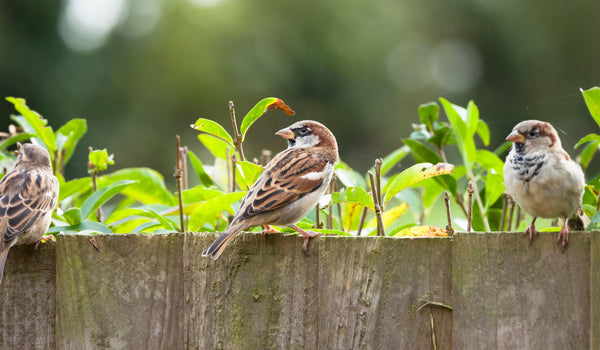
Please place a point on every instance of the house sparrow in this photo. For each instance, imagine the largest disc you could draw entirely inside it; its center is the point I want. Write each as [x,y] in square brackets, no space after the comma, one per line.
[289,187]
[541,177]
[28,194]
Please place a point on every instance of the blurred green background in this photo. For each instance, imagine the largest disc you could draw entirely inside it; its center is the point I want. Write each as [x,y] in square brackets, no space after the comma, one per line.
[141,71]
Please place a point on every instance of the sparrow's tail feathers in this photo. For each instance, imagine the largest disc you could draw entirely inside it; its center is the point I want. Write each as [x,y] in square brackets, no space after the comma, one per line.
[216,249]
[3,256]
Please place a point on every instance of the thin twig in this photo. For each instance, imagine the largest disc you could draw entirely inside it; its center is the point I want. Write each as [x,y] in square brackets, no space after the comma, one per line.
[434,303]
[504,211]
[94,174]
[449,228]
[482,211]
[380,229]
[362,221]
[470,206]
[233,171]
[178,175]
[519,218]
[511,211]
[238,137]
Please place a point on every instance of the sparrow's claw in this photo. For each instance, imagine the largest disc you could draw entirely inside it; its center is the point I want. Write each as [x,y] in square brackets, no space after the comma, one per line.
[530,230]
[563,235]
[307,235]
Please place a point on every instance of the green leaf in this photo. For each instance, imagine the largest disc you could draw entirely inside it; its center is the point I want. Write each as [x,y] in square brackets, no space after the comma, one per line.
[217,146]
[199,169]
[484,132]
[421,153]
[413,175]
[74,129]
[592,100]
[149,189]
[247,173]
[212,209]
[489,161]
[75,187]
[355,195]
[588,138]
[348,176]
[588,153]
[213,128]
[100,160]
[472,118]
[103,194]
[14,139]
[464,138]
[166,223]
[428,113]
[88,226]
[73,216]
[392,159]
[259,109]
[33,123]
[493,188]
[199,194]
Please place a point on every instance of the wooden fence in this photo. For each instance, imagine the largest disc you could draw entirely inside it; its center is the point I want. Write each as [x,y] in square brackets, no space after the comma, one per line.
[158,292]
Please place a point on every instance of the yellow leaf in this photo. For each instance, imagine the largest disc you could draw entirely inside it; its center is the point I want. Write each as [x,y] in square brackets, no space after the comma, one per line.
[423,231]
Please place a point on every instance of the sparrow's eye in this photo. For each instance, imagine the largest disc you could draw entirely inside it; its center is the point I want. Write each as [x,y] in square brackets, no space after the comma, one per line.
[303,131]
[533,133]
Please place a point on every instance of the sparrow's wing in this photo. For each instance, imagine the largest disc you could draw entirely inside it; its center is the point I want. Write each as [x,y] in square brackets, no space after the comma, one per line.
[289,176]
[24,198]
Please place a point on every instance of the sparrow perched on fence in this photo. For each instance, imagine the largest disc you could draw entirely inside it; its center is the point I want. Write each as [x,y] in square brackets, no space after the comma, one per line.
[289,187]
[541,177]
[28,194]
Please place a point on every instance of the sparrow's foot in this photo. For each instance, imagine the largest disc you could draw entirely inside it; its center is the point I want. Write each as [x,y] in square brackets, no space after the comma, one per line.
[563,235]
[307,235]
[269,229]
[44,238]
[530,230]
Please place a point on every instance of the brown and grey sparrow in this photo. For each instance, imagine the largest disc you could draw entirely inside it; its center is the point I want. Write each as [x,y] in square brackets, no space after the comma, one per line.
[28,194]
[541,177]
[289,187]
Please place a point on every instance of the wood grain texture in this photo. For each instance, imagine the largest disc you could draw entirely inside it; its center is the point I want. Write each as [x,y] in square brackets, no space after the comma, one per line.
[128,295]
[350,293]
[27,307]
[510,295]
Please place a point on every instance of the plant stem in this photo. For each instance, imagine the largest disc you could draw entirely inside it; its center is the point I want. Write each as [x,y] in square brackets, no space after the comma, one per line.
[486,223]
[363,216]
[238,137]
[93,174]
[470,207]
[511,205]
[504,211]
[449,228]
[233,168]
[178,176]
[376,201]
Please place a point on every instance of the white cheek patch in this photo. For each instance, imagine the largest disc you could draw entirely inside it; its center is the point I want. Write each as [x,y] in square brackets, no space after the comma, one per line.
[318,175]
[307,141]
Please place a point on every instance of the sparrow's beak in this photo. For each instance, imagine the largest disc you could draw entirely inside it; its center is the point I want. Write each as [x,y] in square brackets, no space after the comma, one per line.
[286,134]
[515,137]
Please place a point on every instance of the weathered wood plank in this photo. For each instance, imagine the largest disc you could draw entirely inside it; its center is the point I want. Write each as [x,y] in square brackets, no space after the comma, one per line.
[27,307]
[595,290]
[260,294]
[128,295]
[510,295]
[351,293]
[370,290]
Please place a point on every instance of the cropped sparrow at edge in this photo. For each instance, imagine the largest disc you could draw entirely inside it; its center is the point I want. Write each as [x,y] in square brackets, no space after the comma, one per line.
[541,177]
[289,187]
[28,194]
